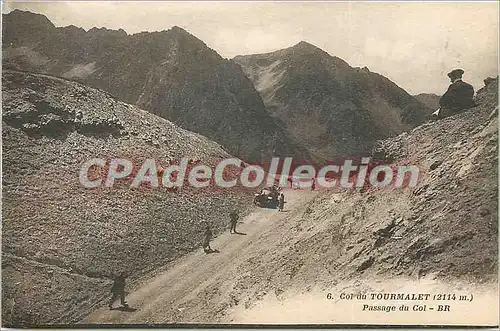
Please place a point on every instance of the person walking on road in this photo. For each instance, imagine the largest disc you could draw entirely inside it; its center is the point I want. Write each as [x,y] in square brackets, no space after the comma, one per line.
[234,220]
[281,202]
[118,290]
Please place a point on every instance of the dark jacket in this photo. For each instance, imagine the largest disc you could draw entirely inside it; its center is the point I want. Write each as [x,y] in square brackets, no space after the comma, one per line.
[208,237]
[282,200]
[119,284]
[459,96]
[234,217]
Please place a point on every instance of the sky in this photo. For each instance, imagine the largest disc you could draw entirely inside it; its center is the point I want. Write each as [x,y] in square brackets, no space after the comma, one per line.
[415,44]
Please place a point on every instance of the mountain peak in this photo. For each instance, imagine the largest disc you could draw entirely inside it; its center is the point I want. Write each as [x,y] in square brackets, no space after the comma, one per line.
[28,19]
[304,45]
[307,49]
[179,30]
[184,34]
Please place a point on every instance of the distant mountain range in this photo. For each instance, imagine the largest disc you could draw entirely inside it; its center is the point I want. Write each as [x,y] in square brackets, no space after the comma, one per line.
[298,102]
[126,96]
[169,73]
[333,108]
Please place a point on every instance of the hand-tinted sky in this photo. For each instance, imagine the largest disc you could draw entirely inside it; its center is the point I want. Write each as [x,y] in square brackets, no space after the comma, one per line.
[414,43]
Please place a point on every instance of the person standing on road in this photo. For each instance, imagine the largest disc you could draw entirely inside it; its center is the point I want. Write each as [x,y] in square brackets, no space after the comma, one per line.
[281,202]
[207,238]
[234,219]
[118,290]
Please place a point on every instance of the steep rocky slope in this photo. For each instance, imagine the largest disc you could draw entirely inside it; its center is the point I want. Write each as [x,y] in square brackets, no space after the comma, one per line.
[438,237]
[431,100]
[60,241]
[169,73]
[57,253]
[445,228]
[335,109]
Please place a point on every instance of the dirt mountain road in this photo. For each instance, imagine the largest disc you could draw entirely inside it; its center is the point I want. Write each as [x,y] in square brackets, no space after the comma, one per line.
[200,288]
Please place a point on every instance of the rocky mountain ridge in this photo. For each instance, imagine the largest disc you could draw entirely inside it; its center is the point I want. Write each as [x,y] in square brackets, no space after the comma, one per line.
[170,73]
[334,109]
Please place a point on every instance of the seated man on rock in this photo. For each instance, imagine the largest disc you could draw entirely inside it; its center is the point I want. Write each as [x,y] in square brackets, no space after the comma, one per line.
[457,98]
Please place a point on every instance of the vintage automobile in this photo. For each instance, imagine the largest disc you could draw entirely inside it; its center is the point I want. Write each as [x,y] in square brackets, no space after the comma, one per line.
[267,197]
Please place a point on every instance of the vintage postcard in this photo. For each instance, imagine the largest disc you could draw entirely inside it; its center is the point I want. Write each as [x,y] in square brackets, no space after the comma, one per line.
[221,164]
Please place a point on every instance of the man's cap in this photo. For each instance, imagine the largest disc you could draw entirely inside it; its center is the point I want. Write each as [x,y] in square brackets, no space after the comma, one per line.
[456,73]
